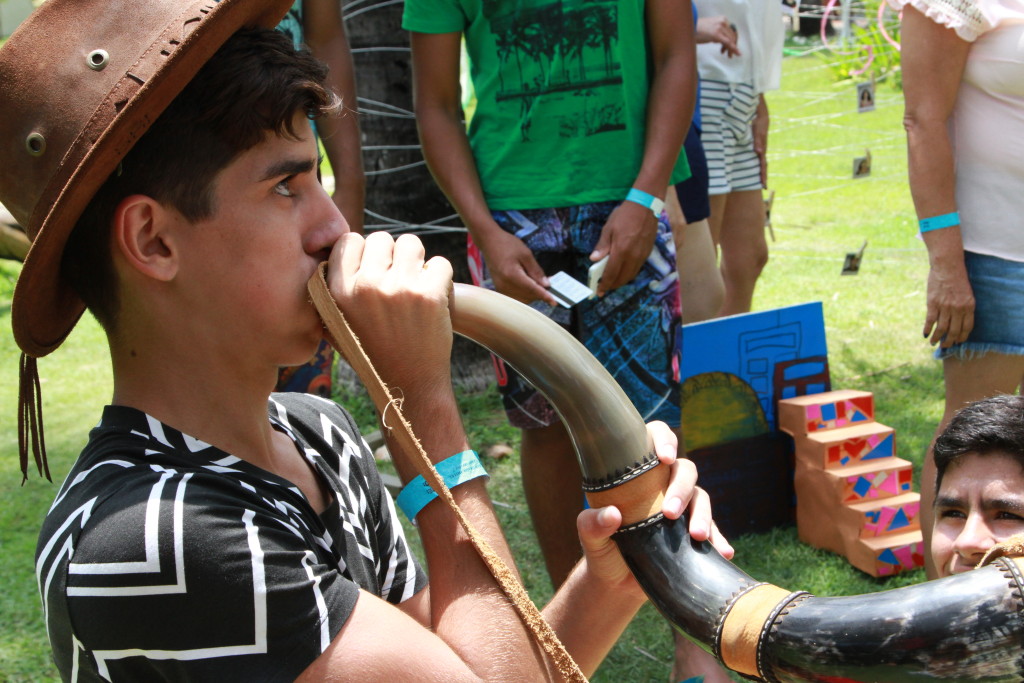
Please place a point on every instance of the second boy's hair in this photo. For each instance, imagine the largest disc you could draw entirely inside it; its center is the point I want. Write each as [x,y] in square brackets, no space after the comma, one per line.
[990,425]
[252,87]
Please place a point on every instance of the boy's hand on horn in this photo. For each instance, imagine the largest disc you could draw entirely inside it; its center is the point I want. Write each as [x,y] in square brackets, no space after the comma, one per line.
[597,525]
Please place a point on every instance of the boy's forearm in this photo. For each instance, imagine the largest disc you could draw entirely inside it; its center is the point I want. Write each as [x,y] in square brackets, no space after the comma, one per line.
[468,609]
[590,616]
[450,159]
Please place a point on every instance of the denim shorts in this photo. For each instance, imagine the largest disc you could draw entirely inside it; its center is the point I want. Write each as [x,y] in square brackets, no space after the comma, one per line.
[998,286]
[632,330]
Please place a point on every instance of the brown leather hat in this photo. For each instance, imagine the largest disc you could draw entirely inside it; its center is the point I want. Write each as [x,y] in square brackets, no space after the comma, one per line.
[80,82]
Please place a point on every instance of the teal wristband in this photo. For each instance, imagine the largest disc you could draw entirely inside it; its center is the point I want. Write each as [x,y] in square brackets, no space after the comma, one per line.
[458,469]
[646,200]
[946,220]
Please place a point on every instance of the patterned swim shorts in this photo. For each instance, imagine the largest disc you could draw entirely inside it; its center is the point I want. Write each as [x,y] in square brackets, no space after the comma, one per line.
[632,330]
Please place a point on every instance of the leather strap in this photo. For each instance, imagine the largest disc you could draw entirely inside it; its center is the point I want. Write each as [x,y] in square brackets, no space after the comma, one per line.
[344,340]
[741,630]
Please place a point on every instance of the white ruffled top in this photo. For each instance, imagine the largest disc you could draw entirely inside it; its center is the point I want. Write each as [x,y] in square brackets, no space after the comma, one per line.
[969,18]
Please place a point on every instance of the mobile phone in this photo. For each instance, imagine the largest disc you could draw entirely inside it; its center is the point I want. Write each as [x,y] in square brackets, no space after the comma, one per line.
[596,271]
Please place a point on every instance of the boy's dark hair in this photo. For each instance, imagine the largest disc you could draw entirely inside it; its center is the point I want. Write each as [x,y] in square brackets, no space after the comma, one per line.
[990,425]
[252,86]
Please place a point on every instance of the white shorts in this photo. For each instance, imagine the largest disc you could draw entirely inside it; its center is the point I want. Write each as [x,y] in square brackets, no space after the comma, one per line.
[727,112]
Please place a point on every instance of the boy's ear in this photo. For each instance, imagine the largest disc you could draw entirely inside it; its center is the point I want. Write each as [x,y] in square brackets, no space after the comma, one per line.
[144,236]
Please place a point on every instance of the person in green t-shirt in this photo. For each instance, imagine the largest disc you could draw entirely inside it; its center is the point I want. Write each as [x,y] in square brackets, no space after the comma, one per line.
[577,107]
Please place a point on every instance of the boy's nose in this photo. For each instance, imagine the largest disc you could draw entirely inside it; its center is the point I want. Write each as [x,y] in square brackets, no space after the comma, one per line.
[975,538]
[330,225]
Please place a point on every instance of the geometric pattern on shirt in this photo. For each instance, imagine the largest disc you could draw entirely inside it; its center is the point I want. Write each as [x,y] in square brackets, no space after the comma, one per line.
[139,491]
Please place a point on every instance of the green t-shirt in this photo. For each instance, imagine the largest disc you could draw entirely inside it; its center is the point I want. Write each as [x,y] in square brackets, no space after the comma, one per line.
[561,95]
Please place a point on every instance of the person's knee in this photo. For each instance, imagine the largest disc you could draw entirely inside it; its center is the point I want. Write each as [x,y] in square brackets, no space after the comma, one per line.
[745,263]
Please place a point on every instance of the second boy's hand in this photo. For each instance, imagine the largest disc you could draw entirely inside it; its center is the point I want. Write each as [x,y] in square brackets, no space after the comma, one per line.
[627,239]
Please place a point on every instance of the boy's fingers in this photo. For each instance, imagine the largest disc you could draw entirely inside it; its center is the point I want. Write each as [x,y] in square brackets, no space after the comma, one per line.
[722,545]
[681,489]
[409,253]
[700,515]
[378,252]
[596,526]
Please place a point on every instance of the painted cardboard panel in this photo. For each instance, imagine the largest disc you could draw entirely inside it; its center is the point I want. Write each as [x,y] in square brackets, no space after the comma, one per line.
[734,369]
[750,482]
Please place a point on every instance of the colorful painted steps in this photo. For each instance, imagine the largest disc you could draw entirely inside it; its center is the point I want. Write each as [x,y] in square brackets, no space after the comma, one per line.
[854,496]
[872,480]
[891,524]
[830,410]
[898,514]
[889,555]
[849,446]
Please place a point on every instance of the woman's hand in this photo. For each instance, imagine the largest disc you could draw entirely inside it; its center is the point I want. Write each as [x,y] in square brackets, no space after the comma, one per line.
[718,30]
[950,316]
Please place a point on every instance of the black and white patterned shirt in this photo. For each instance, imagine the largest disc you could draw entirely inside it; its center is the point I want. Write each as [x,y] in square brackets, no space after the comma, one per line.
[164,558]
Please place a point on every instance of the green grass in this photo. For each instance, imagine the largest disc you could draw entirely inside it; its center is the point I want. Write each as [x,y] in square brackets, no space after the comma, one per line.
[873,322]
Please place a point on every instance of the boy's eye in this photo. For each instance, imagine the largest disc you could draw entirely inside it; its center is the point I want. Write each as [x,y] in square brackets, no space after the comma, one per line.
[283,188]
[951,513]
[1011,516]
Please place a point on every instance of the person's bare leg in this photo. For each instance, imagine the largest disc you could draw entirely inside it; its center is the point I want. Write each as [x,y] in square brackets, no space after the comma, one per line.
[966,381]
[744,249]
[718,204]
[554,493]
[692,660]
[700,281]
[701,290]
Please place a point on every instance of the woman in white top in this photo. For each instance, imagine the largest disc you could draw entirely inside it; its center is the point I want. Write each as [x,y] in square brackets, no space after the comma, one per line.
[735,137]
[963,80]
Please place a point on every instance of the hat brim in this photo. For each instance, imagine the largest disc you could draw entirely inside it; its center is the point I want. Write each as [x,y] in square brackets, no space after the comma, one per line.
[45,309]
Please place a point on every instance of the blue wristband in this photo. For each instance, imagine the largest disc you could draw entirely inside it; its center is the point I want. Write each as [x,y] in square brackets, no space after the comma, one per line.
[946,220]
[458,469]
[646,200]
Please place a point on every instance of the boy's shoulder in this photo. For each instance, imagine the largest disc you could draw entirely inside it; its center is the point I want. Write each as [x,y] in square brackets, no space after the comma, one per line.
[164,524]
[133,463]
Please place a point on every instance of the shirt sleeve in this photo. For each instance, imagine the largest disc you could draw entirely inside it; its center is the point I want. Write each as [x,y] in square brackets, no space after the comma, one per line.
[194,578]
[433,16]
[965,18]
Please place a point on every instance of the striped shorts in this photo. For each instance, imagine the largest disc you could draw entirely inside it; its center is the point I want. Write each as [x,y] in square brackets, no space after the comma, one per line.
[727,112]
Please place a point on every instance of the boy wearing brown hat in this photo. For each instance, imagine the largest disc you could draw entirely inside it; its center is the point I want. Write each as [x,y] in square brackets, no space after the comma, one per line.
[161,155]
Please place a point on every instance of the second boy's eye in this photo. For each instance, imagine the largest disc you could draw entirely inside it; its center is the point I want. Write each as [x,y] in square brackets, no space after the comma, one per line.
[284,188]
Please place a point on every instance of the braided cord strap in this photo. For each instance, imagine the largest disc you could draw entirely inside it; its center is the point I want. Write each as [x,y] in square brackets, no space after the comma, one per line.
[345,341]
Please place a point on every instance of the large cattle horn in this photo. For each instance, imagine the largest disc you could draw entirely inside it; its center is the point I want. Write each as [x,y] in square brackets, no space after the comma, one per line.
[967,627]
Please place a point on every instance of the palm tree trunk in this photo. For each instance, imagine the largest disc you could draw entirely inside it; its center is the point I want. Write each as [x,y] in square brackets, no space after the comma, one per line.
[401,195]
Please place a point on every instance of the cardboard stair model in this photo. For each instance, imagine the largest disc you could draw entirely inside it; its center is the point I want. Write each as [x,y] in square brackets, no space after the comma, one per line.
[853,495]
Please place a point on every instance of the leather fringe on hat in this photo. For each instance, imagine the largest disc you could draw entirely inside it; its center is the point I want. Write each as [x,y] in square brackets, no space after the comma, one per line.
[30,419]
